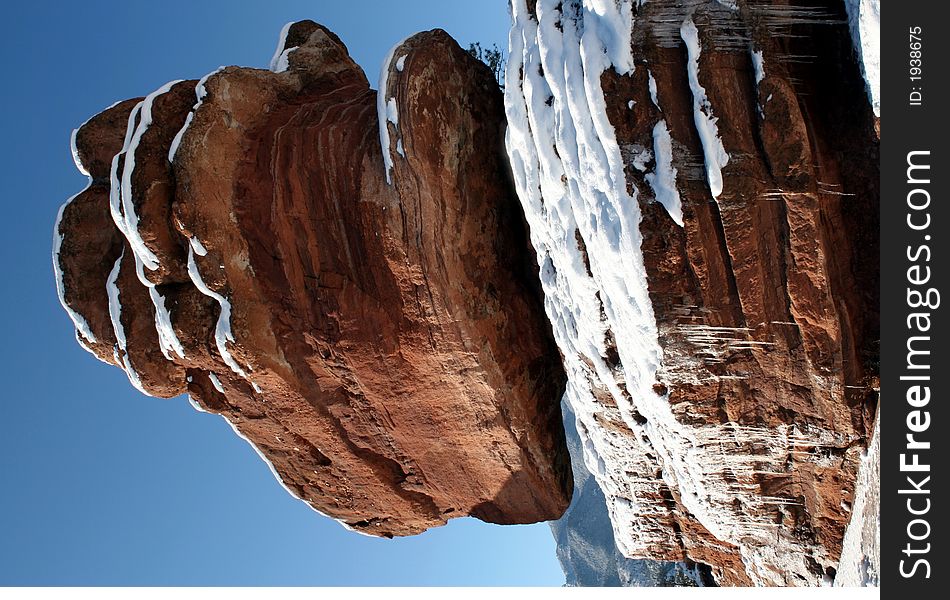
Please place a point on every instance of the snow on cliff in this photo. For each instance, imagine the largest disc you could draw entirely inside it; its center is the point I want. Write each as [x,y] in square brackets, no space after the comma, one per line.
[585,219]
[861,555]
[864,17]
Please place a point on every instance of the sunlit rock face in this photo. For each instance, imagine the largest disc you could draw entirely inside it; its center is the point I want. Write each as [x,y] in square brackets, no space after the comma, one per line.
[367,316]
[700,181]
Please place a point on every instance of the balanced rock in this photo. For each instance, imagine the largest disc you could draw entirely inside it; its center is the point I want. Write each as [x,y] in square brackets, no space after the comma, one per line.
[366,315]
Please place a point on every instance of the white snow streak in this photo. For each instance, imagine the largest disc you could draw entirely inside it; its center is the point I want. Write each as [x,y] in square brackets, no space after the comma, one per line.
[386,111]
[860,563]
[168,340]
[176,141]
[283,61]
[82,326]
[115,184]
[198,247]
[222,330]
[663,178]
[652,86]
[392,112]
[864,17]
[758,66]
[120,352]
[200,93]
[281,42]
[216,382]
[75,152]
[714,153]
[129,223]
[115,307]
[195,405]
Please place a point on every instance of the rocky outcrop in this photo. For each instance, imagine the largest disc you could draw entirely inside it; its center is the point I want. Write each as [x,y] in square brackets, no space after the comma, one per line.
[701,183]
[368,317]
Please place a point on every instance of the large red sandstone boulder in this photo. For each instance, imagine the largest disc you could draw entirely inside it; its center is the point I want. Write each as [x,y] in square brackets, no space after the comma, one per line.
[367,317]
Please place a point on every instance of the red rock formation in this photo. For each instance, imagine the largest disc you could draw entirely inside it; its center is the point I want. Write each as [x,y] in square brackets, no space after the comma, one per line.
[795,234]
[367,314]
[382,345]
[765,299]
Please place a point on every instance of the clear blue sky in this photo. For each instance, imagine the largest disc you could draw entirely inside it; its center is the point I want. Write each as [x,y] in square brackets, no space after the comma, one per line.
[101,485]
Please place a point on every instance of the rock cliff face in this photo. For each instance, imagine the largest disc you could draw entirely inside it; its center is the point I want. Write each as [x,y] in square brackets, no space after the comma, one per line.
[701,185]
[368,317]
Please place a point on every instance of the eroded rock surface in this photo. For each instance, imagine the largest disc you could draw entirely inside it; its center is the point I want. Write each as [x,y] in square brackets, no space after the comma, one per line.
[701,183]
[367,317]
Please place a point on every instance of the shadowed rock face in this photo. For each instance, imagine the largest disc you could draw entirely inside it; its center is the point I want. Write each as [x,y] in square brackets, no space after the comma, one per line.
[378,336]
[737,443]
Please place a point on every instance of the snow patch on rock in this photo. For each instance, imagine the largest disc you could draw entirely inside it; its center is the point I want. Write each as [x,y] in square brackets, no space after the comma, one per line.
[714,154]
[283,61]
[663,177]
[197,246]
[860,563]
[584,223]
[386,109]
[79,321]
[651,84]
[281,42]
[75,152]
[216,382]
[128,224]
[864,17]
[222,329]
[119,352]
[758,66]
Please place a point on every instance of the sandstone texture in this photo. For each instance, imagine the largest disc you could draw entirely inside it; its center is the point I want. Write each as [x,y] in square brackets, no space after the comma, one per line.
[367,317]
[723,157]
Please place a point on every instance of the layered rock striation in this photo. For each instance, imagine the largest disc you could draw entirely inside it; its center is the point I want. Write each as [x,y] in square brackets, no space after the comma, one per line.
[701,184]
[367,316]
